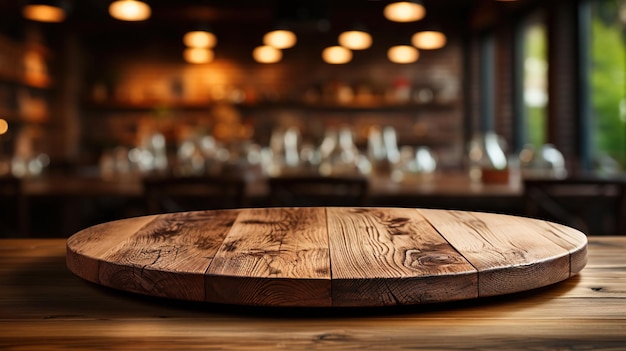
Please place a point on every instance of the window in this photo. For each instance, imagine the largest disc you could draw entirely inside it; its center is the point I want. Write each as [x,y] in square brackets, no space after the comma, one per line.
[535,80]
[607,80]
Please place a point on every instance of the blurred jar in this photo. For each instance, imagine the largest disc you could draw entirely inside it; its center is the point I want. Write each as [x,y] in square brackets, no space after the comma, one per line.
[487,159]
[284,151]
[340,156]
[382,149]
[547,162]
[189,159]
[414,164]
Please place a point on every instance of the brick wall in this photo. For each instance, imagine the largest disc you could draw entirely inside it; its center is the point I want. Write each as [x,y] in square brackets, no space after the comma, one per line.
[122,92]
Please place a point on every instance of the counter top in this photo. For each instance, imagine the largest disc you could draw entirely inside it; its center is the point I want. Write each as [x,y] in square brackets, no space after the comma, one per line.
[440,184]
[43,306]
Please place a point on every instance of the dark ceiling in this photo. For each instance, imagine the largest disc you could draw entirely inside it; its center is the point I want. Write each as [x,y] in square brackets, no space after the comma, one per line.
[92,15]
[319,21]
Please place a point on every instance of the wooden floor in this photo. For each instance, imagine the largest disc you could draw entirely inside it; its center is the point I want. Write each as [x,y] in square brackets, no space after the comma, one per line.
[43,306]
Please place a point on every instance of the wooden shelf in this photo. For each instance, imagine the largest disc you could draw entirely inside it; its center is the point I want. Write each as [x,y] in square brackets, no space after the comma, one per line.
[204,105]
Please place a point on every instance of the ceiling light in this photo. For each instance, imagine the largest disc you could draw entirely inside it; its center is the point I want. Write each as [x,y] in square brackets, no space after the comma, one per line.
[429,40]
[355,40]
[130,10]
[280,39]
[45,11]
[402,54]
[267,54]
[337,55]
[404,11]
[198,55]
[4,126]
[200,39]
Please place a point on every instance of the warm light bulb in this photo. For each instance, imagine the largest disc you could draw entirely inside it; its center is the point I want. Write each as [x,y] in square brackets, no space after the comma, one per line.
[198,55]
[4,126]
[199,39]
[429,40]
[43,13]
[336,55]
[280,39]
[403,54]
[355,40]
[267,54]
[404,11]
[130,10]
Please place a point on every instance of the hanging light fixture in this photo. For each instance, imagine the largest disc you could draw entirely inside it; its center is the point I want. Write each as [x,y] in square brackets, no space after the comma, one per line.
[355,39]
[405,11]
[402,54]
[130,10]
[4,126]
[198,55]
[280,39]
[429,40]
[200,39]
[267,54]
[45,11]
[336,55]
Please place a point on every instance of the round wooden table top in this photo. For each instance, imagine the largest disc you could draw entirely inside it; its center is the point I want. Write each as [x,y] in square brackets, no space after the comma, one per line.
[326,256]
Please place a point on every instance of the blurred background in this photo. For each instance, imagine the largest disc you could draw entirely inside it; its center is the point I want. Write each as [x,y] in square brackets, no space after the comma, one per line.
[467,104]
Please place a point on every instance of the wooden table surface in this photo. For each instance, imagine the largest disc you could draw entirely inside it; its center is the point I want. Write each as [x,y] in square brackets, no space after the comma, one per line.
[326,256]
[43,306]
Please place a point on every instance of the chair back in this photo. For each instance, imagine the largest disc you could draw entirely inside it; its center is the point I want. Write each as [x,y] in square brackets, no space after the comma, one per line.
[303,191]
[176,194]
[594,205]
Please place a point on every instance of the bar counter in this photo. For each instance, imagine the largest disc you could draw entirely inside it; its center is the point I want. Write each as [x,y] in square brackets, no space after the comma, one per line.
[439,184]
[45,307]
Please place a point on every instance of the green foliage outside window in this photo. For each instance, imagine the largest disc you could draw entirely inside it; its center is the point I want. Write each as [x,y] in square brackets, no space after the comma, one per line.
[535,81]
[608,81]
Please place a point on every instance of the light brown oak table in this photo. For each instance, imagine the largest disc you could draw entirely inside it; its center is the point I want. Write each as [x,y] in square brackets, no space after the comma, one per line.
[327,256]
[43,306]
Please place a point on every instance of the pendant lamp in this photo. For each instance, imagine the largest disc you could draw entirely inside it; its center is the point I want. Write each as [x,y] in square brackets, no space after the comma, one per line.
[130,10]
[429,40]
[336,55]
[267,54]
[280,38]
[355,39]
[45,11]
[402,54]
[405,11]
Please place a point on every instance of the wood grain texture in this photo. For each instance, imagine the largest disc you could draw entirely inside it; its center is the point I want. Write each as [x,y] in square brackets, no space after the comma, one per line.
[87,247]
[509,256]
[273,257]
[393,256]
[43,306]
[322,257]
[169,256]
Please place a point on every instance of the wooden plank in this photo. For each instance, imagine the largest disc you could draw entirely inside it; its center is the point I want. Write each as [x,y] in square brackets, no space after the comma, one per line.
[274,257]
[326,334]
[169,256]
[85,248]
[393,256]
[566,237]
[509,257]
